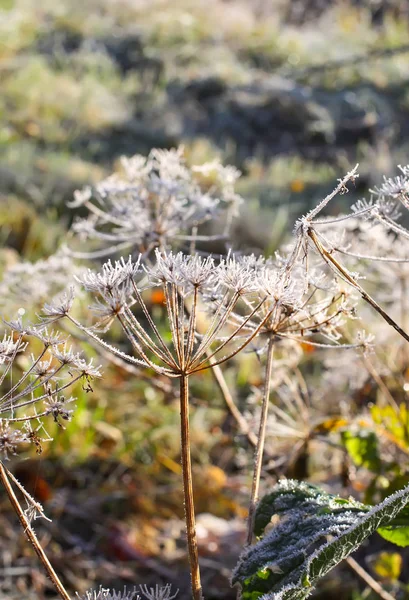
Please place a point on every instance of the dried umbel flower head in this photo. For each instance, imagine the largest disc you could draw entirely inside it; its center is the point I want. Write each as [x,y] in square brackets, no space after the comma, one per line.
[311,233]
[193,288]
[32,284]
[157,593]
[36,370]
[155,202]
[108,594]
[200,298]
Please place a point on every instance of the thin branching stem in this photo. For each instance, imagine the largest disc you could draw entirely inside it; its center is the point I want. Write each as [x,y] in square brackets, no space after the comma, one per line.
[390,224]
[192,325]
[31,534]
[171,317]
[24,376]
[327,256]
[151,322]
[105,345]
[139,350]
[34,385]
[216,325]
[239,349]
[234,333]
[228,396]
[51,392]
[390,259]
[11,359]
[177,338]
[339,189]
[231,405]
[258,455]
[138,331]
[122,364]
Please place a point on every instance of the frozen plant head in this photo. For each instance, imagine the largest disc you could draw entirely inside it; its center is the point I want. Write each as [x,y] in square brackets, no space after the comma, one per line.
[158,592]
[37,368]
[152,593]
[31,284]
[287,311]
[200,297]
[153,202]
[108,594]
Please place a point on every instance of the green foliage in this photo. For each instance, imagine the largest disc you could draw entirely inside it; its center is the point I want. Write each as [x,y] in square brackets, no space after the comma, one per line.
[388,565]
[315,531]
[362,446]
[395,421]
[398,536]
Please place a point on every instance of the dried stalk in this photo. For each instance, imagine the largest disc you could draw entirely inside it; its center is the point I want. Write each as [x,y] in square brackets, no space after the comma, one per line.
[234,411]
[258,455]
[31,534]
[188,489]
[327,256]
[369,580]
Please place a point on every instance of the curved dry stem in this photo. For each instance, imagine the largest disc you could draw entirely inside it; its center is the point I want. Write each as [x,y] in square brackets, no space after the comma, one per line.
[234,411]
[31,534]
[327,256]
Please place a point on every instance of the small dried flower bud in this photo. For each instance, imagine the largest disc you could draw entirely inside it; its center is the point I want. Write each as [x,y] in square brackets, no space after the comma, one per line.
[56,406]
[60,308]
[9,348]
[9,439]
[111,278]
[237,275]
[43,368]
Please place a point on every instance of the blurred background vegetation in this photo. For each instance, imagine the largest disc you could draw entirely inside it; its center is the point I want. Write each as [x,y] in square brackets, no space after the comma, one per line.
[292,92]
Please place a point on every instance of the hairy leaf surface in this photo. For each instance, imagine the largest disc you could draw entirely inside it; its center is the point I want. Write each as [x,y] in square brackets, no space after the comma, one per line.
[312,532]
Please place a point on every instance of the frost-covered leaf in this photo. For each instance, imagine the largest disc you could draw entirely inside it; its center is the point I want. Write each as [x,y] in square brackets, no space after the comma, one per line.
[312,532]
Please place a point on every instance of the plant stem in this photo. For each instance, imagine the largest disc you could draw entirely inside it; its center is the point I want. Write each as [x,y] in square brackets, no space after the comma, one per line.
[347,275]
[369,580]
[234,411]
[258,455]
[31,534]
[188,489]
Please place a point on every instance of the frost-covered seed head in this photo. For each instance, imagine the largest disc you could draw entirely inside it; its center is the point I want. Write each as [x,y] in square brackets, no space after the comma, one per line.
[182,270]
[9,348]
[108,594]
[58,309]
[155,202]
[158,592]
[57,407]
[111,278]
[9,439]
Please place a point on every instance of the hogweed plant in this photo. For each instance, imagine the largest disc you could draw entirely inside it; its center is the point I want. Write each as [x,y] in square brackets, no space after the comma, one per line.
[37,370]
[215,308]
[157,593]
[156,202]
[214,292]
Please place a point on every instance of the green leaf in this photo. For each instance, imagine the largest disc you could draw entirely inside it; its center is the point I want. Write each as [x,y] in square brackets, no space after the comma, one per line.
[312,532]
[362,447]
[396,535]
